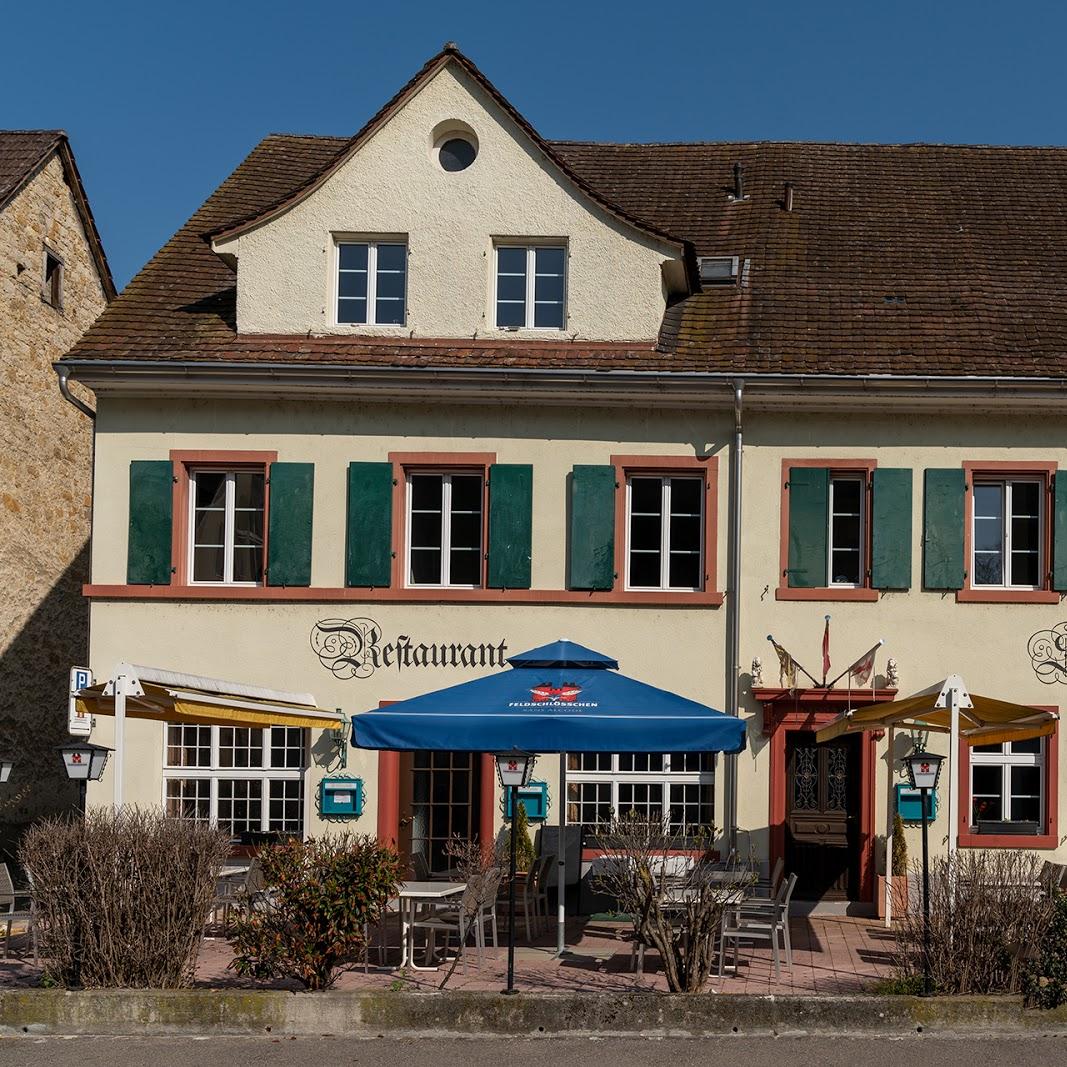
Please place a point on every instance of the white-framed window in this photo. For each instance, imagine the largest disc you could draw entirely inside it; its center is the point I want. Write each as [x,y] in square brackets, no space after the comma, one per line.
[665,532]
[444,528]
[531,287]
[239,778]
[372,282]
[227,512]
[847,539]
[52,279]
[676,786]
[1008,782]
[1006,536]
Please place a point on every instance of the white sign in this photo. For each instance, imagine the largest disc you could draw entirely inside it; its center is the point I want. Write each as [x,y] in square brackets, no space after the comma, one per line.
[77,724]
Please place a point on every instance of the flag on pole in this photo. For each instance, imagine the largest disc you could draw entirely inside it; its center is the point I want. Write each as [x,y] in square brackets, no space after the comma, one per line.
[826,650]
[787,672]
[863,668]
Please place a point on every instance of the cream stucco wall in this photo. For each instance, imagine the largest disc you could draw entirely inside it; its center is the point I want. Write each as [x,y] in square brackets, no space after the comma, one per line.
[929,633]
[394,186]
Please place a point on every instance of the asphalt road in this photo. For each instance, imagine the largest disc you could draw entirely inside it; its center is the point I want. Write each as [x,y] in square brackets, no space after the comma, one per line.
[496,1052]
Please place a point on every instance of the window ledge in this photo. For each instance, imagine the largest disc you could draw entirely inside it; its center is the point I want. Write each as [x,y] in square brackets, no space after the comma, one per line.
[867,596]
[1007,596]
[592,598]
[1025,841]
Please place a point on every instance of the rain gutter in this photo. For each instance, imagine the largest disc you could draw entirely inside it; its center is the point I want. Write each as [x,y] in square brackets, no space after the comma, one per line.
[733,614]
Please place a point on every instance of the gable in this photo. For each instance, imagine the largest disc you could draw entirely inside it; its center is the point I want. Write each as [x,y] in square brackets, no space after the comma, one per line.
[393,185]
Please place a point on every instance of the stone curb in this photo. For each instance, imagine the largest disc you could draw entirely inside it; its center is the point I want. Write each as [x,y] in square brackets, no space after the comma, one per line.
[371,1014]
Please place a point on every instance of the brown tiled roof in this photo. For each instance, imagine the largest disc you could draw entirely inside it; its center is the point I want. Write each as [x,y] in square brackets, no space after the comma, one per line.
[22,154]
[899,259]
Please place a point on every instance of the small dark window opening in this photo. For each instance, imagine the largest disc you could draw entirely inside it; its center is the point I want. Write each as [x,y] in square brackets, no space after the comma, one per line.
[456,154]
[53,279]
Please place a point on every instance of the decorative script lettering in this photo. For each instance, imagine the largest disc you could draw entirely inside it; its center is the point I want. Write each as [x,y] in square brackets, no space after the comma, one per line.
[1048,654]
[355,648]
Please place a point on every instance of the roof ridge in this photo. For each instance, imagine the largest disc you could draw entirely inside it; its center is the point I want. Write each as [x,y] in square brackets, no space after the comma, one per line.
[811,144]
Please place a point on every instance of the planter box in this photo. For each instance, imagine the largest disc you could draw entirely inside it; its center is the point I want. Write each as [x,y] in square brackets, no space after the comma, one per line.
[900,894]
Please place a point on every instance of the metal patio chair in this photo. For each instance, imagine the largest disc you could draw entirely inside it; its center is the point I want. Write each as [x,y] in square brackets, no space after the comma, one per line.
[10,913]
[760,921]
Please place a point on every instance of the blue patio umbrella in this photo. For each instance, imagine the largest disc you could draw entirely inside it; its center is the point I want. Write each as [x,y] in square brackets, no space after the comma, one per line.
[561,697]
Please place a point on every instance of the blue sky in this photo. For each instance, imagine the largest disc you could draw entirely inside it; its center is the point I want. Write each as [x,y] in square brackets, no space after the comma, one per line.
[163,100]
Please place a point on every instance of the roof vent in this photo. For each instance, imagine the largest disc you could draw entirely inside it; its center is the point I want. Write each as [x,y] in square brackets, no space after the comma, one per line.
[718,270]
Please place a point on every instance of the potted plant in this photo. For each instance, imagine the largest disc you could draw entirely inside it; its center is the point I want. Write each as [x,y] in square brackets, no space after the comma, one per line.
[898,866]
[524,848]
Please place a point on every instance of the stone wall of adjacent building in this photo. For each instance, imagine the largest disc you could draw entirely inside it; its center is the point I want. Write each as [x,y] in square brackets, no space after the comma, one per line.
[45,492]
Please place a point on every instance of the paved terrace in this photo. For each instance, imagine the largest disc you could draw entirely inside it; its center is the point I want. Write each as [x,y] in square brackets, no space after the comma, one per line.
[831,955]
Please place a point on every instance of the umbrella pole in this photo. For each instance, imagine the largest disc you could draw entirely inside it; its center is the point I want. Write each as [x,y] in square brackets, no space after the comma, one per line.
[561,860]
[512,801]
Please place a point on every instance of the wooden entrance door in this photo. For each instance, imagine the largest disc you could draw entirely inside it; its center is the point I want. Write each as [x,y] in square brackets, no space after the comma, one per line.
[822,816]
[440,797]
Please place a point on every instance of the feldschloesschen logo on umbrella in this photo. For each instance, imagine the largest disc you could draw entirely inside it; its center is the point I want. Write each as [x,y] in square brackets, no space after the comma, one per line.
[564,694]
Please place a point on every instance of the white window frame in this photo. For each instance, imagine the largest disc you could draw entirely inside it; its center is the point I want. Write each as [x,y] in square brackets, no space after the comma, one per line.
[665,778]
[1007,760]
[1006,485]
[372,279]
[665,531]
[264,775]
[861,478]
[446,528]
[228,523]
[531,267]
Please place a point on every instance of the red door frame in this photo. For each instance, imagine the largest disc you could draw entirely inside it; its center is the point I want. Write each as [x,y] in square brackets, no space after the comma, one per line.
[810,709]
[389,798]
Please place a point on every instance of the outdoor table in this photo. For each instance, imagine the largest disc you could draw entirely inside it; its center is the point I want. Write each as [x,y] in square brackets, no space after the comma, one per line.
[412,894]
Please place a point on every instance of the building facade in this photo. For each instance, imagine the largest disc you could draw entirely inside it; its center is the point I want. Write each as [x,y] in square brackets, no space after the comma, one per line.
[390,408]
[55,281]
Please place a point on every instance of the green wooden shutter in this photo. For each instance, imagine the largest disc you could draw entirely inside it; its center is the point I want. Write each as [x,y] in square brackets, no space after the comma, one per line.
[148,550]
[592,534]
[943,564]
[292,487]
[510,525]
[891,529]
[1059,531]
[369,526]
[809,499]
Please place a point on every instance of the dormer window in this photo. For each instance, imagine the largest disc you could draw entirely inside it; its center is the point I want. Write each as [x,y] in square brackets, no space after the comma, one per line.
[371,282]
[531,286]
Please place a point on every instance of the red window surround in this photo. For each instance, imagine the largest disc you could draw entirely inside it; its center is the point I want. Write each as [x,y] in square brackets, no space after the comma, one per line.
[1051,837]
[784,591]
[665,466]
[398,591]
[184,461]
[1007,470]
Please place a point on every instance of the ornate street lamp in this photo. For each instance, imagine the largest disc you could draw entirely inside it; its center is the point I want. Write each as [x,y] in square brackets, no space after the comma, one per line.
[84,762]
[515,770]
[924,769]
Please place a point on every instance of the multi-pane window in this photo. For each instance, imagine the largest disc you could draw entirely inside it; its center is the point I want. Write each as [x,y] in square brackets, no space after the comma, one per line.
[371,282]
[665,523]
[445,529]
[847,533]
[531,286]
[236,777]
[226,526]
[676,787]
[1007,534]
[1008,782]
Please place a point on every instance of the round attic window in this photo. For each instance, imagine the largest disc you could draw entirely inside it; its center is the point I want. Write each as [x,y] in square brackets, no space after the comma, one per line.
[457,153]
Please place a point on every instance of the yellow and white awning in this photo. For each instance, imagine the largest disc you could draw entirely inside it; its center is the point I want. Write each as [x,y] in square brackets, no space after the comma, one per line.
[172,696]
[982,720]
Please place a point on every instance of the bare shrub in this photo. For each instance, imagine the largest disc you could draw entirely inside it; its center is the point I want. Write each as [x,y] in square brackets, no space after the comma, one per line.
[986,911]
[122,898]
[675,907]
[481,869]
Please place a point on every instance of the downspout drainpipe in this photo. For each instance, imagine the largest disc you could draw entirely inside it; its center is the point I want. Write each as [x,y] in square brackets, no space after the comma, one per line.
[70,398]
[733,618]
